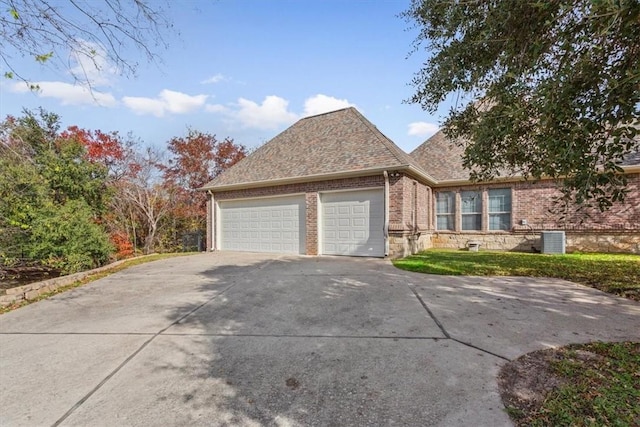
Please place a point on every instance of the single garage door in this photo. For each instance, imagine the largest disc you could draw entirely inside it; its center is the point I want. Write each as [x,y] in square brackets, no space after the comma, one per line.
[263,225]
[353,223]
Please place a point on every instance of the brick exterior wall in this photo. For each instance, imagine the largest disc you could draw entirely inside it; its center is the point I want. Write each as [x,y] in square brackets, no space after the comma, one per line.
[533,202]
[412,216]
[311,224]
[409,222]
[310,191]
[396,206]
[409,201]
[615,230]
[209,221]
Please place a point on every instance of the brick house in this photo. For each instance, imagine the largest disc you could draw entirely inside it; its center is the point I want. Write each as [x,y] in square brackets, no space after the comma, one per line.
[332,184]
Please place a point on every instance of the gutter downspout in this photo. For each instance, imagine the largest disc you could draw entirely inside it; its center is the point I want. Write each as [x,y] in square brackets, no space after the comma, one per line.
[386,213]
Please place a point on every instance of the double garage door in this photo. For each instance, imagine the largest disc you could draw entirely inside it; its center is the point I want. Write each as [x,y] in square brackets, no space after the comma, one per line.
[350,223]
[263,225]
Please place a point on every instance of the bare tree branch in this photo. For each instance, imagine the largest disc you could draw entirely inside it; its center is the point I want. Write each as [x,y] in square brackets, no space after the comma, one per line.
[60,34]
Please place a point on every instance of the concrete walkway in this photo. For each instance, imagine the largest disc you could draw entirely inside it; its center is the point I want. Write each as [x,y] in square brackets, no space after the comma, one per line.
[231,339]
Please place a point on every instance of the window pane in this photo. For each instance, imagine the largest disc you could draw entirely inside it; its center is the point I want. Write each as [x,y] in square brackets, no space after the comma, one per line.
[444,222]
[472,222]
[500,209]
[445,203]
[471,202]
[499,221]
[500,200]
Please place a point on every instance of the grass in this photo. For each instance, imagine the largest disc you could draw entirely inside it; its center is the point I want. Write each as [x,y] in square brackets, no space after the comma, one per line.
[600,382]
[93,277]
[613,273]
[601,387]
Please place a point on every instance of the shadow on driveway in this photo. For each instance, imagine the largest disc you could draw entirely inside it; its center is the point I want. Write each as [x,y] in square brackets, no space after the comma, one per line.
[240,339]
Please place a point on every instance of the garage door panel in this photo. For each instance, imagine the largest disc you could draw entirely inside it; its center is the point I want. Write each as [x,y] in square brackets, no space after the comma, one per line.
[263,225]
[352,223]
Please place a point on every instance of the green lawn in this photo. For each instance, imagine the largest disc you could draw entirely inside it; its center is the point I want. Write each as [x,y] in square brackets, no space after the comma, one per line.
[614,273]
[600,382]
[599,386]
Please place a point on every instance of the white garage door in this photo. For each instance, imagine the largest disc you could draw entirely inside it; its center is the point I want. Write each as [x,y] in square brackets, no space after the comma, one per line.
[352,223]
[263,225]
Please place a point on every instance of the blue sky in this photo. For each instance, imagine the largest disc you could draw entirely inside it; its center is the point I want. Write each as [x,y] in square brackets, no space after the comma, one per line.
[248,70]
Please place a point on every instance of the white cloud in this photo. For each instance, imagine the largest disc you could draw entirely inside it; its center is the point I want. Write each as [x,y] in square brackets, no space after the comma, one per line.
[142,106]
[168,101]
[68,94]
[320,103]
[216,78]
[215,108]
[274,111]
[268,115]
[422,129]
[91,64]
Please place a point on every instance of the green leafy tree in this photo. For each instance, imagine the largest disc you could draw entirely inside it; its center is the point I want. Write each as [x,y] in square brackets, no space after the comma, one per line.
[552,88]
[52,195]
[71,176]
[22,194]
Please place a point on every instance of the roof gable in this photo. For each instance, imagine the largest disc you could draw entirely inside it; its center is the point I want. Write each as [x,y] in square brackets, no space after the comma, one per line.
[341,141]
[441,157]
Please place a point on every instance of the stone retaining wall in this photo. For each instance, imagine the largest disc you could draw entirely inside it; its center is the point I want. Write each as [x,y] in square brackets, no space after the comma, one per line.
[34,290]
[402,245]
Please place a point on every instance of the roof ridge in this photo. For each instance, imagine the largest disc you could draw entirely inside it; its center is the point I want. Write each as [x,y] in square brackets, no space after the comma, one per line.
[325,113]
[337,142]
[388,144]
[401,156]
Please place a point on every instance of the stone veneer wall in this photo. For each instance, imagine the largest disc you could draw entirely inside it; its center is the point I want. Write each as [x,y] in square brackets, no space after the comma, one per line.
[581,241]
[401,245]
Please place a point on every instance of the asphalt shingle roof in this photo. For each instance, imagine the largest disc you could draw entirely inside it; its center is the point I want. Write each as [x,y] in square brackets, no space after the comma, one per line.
[441,158]
[344,141]
[330,143]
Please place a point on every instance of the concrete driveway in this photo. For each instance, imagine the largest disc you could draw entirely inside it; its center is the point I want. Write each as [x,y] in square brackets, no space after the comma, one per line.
[230,339]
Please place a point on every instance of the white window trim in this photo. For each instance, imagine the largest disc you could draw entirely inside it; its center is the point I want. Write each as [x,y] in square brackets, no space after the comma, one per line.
[509,212]
[448,214]
[484,213]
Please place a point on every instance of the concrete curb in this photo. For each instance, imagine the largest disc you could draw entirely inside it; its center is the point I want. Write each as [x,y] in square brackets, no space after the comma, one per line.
[34,290]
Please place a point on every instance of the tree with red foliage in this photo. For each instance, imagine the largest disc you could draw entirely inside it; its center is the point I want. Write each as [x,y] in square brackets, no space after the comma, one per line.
[107,149]
[197,158]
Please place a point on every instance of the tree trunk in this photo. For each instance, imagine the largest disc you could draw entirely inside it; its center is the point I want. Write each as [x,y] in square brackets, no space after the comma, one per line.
[149,242]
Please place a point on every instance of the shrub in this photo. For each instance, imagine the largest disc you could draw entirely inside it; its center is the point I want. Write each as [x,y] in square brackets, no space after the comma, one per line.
[67,238]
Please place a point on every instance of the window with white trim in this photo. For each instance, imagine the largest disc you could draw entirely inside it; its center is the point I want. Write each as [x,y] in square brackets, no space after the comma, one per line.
[445,210]
[500,209]
[471,209]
